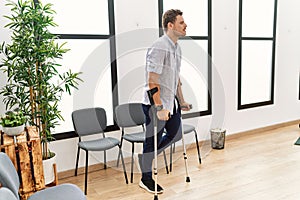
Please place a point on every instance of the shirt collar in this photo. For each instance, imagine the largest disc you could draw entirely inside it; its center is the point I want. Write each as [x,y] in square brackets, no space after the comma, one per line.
[170,41]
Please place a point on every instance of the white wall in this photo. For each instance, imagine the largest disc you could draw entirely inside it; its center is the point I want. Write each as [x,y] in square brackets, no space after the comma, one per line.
[135,14]
[225,44]
[4,36]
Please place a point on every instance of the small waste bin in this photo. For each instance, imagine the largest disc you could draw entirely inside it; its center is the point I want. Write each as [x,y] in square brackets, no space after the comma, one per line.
[217,138]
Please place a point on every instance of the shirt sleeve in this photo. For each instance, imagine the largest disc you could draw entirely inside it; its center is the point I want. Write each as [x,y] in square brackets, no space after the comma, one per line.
[155,60]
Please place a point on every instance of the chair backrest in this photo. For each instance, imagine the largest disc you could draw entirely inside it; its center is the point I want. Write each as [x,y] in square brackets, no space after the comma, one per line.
[130,114]
[89,121]
[8,175]
[7,194]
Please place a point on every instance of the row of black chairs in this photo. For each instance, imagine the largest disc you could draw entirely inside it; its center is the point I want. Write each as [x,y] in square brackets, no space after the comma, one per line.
[91,121]
[86,122]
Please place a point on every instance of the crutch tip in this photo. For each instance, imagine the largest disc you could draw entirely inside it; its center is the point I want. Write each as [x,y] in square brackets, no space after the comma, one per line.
[188,179]
[155,197]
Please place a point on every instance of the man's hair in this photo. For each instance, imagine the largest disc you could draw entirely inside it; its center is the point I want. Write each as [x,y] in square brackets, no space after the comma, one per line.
[170,16]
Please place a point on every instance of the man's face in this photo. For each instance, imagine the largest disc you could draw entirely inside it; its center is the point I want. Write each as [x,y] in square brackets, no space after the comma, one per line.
[179,26]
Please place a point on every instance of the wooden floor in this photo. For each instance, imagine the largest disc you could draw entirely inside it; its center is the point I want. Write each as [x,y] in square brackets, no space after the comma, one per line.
[258,165]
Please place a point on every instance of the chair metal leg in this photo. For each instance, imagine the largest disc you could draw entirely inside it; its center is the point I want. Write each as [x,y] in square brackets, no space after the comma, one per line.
[86,171]
[105,159]
[124,169]
[121,143]
[171,152]
[166,162]
[174,147]
[196,137]
[118,160]
[77,159]
[132,152]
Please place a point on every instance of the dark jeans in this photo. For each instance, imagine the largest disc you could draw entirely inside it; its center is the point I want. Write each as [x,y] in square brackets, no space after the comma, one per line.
[172,133]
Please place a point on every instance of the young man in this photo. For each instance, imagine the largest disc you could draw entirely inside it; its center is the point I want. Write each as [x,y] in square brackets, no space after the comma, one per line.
[163,63]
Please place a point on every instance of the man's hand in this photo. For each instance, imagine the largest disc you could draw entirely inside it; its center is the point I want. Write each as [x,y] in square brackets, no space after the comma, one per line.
[163,114]
[185,106]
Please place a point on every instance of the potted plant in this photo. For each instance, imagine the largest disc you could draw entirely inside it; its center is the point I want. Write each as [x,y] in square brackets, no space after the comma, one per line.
[36,81]
[13,123]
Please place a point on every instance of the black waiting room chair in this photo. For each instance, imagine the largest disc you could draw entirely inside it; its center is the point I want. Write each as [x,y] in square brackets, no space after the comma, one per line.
[131,115]
[91,121]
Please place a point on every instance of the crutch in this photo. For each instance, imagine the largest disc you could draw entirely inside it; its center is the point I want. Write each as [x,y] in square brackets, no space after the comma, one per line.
[150,93]
[184,150]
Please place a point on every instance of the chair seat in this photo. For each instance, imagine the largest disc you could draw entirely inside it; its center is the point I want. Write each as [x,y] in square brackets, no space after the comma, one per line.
[60,192]
[188,128]
[100,144]
[135,137]
[6,194]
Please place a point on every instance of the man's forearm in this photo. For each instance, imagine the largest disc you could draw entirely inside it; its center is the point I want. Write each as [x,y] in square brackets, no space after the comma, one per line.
[153,81]
[179,93]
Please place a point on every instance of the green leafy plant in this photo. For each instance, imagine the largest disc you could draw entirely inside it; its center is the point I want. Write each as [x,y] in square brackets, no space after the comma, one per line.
[35,82]
[12,119]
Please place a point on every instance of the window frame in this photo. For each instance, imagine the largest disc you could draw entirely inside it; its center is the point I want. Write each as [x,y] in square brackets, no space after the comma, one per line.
[252,38]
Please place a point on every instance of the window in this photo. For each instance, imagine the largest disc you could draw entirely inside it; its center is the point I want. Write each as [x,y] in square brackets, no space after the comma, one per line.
[88,27]
[196,53]
[257,34]
[81,17]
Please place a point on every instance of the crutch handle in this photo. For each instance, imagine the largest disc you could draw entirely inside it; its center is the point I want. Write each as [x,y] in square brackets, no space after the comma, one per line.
[150,93]
[191,106]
